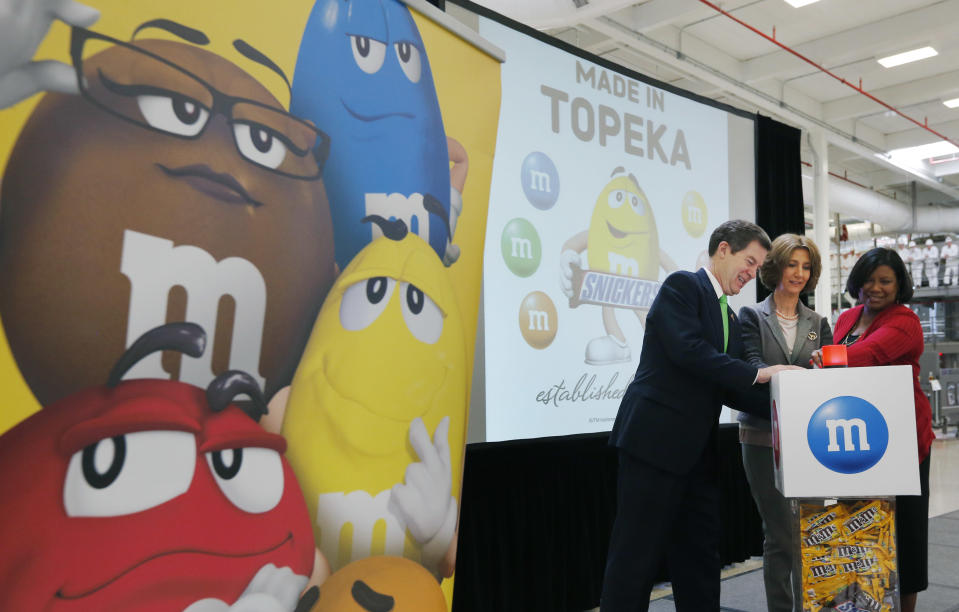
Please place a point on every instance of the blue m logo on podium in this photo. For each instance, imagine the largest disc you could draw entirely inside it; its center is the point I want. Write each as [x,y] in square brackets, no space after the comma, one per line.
[847,434]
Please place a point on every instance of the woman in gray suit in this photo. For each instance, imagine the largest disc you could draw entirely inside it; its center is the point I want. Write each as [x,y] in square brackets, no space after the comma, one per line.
[779,330]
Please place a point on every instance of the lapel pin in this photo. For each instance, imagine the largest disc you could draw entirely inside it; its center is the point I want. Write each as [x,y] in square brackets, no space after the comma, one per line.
[812,335]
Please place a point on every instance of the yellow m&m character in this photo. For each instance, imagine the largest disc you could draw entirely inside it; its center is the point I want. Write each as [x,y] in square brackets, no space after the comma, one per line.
[621,240]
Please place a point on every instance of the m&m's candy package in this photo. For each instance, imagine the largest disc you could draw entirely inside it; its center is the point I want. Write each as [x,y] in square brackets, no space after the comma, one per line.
[847,555]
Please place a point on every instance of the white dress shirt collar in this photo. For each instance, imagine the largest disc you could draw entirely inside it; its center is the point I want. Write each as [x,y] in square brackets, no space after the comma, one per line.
[715,283]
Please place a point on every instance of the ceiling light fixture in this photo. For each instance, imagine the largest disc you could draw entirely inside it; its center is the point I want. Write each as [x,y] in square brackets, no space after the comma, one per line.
[800,3]
[953,103]
[918,156]
[906,57]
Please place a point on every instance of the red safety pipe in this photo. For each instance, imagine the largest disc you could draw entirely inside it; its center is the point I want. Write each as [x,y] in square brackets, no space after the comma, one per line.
[859,89]
[844,178]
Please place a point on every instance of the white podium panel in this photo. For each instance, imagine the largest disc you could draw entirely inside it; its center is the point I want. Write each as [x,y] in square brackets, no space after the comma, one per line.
[845,432]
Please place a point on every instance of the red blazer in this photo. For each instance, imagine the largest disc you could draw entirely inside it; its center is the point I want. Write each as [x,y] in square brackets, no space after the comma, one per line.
[894,338]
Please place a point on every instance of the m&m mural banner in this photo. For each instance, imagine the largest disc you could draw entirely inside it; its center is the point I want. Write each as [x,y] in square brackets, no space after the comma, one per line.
[241,247]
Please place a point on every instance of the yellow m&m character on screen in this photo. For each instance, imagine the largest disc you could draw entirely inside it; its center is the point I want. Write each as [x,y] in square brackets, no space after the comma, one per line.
[621,240]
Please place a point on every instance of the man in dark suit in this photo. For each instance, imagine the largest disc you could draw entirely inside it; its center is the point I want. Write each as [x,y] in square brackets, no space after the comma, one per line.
[666,428]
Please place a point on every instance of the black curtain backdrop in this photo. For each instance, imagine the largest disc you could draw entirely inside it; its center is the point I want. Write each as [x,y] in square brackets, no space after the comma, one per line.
[779,205]
[537,514]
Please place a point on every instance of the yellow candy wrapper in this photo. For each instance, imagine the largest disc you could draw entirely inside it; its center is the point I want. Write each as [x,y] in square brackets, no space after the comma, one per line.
[847,556]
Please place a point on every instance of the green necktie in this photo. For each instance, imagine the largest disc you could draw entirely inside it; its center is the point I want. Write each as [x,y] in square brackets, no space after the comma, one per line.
[724,309]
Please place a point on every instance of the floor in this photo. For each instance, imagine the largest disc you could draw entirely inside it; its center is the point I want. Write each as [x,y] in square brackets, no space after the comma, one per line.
[742,586]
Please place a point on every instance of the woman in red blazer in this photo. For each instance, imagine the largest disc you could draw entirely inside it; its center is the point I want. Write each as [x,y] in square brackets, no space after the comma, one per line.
[882,331]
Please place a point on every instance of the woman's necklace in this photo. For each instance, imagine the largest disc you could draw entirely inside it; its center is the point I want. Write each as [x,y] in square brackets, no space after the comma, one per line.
[785,316]
[787,323]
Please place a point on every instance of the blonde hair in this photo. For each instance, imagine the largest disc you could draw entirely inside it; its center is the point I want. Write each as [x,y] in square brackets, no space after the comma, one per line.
[771,272]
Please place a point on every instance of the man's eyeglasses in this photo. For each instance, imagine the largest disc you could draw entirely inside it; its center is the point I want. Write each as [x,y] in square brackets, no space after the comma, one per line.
[153,92]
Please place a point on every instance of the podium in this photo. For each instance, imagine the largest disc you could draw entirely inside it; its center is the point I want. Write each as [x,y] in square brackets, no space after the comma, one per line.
[844,444]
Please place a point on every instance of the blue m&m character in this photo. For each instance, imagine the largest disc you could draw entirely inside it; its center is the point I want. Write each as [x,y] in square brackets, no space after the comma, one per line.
[362,76]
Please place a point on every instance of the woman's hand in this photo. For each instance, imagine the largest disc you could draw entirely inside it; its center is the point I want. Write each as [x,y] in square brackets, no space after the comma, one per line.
[816,359]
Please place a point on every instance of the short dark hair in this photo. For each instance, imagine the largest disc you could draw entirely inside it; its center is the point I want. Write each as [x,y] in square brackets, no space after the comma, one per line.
[739,234]
[867,264]
[771,272]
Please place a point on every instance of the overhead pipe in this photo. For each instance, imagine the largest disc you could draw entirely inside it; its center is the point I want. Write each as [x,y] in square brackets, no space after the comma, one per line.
[852,200]
[924,125]
[839,176]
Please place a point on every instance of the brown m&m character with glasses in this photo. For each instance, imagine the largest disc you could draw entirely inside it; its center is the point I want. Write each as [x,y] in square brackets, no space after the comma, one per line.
[175,187]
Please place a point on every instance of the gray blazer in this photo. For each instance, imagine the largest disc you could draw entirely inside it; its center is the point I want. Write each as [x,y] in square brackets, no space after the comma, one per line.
[765,344]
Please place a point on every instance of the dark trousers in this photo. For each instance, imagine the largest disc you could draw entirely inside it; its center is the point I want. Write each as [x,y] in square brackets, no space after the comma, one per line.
[664,516]
[912,535]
